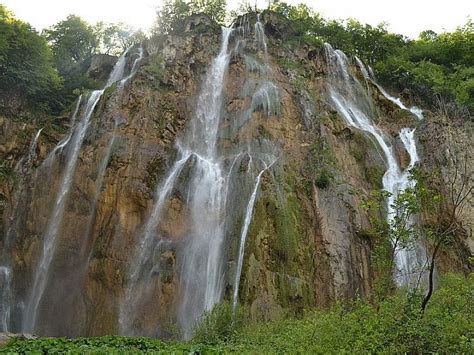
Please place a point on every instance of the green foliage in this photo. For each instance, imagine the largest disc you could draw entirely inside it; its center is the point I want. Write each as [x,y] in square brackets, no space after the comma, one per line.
[114,38]
[26,63]
[323,179]
[369,43]
[325,162]
[286,216]
[172,14]
[72,41]
[435,64]
[394,326]
[219,324]
[156,66]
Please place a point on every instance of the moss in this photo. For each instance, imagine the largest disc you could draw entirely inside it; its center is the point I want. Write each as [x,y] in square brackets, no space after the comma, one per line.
[156,67]
[308,188]
[7,174]
[374,175]
[324,179]
[359,146]
[155,168]
[288,63]
[286,222]
[264,133]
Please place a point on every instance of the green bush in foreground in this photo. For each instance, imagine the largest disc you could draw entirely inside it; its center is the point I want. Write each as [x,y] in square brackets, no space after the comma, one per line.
[396,326]
[220,324]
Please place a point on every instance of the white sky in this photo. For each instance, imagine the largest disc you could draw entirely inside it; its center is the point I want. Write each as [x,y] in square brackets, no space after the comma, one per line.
[408,17]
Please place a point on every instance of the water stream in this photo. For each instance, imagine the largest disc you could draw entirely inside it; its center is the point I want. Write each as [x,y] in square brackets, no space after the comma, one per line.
[352,101]
[22,168]
[205,179]
[201,274]
[51,234]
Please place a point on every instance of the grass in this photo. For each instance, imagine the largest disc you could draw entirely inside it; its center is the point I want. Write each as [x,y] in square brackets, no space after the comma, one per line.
[394,326]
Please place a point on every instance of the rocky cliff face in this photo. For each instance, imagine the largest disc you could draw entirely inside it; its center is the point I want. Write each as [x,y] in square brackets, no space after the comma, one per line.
[307,244]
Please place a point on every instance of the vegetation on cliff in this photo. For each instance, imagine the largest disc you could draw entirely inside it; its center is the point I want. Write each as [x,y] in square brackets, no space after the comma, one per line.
[432,66]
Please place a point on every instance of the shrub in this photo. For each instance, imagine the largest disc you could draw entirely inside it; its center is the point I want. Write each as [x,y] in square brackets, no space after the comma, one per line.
[219,324]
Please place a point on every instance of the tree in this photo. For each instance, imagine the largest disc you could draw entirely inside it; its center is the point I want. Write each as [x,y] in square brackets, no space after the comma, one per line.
[391,234]
[216,9]
[171,16]
[26,62]
[72,41]
[114,38]
[442,226]
[447,208]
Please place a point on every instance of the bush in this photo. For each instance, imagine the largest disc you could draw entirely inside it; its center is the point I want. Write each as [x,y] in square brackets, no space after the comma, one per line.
[394,326]
[219,324]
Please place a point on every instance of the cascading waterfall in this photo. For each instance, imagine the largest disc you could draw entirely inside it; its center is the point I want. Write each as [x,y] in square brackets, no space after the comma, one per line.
[352,102]
[32,149]
[209,206]
[119,72]
[244,233]
[411,260]
[64,142]
[369,76]
[135,66]
[201,275]
[40,277]
[265,97]
[50,236]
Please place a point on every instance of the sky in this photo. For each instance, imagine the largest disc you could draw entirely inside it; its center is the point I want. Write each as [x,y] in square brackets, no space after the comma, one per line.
[408,17]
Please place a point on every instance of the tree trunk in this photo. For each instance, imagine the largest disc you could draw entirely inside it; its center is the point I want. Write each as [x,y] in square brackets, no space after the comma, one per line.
[430,278]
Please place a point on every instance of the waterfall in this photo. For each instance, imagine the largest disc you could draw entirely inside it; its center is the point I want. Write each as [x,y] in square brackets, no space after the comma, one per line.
[136,64]
[201,274]
[265,97]
[201,259]
[138,287]
[369,76]
[260,37]
[32,148]
[206,188]
[51,234]
[352,102]
[22,167]
[244,232]
[5,295]
[64,142]
[118,70]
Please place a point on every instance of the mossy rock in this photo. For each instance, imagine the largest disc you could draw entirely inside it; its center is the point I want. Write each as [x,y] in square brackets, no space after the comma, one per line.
[374,175]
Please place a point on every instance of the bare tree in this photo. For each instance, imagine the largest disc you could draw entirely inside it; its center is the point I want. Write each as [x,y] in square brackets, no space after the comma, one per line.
[458,192]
